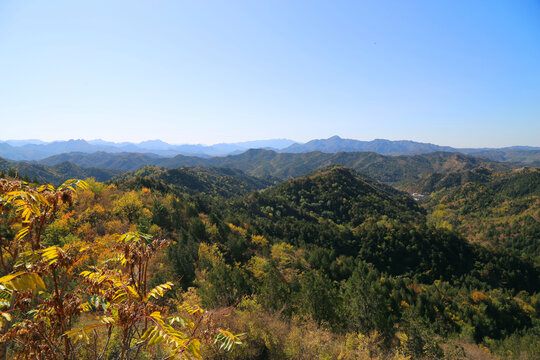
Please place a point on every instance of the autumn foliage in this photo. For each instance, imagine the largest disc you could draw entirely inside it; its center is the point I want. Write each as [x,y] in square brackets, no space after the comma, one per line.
[88,298]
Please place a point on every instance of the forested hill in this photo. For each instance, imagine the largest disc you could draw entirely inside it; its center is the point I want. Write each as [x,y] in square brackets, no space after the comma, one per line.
[502,210]
[438,181]
[123,161]
[516,155]
[54,174]
[522,180]
[345,197]
[211,181]
[263,163]
[389,169]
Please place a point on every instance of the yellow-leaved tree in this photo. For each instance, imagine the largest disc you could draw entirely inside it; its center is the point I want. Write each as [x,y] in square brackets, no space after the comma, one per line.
[60,303]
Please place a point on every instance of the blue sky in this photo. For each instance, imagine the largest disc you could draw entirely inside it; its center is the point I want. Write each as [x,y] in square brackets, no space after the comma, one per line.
[459,73]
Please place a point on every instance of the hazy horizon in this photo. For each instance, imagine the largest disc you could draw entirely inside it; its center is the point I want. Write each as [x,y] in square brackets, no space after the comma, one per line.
[253,140]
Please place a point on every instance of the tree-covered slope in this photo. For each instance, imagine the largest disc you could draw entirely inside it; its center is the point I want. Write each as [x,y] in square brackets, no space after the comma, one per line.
[437,181]
[210,180]
[519,155]
[106,160]
[391,169]
[345,197]
[352,215]
[499,209]
[55,174]
[399,170]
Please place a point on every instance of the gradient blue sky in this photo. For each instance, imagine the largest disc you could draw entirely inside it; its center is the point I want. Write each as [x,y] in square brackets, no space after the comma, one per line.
[459,73]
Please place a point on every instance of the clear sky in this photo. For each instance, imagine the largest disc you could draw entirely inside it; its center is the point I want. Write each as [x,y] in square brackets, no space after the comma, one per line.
[459,73]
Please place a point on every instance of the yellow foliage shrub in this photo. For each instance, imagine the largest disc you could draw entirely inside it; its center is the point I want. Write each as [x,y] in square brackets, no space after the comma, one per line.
[478,296]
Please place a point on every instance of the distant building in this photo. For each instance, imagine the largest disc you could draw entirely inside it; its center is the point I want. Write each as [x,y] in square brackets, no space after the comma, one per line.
[419,197]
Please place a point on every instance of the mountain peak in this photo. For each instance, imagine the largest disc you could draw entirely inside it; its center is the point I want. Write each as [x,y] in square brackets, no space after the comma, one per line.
[337,144]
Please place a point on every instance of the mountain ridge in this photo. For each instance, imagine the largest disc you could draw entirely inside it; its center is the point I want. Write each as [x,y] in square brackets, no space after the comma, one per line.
[381,146]
[264,163]
[38,150]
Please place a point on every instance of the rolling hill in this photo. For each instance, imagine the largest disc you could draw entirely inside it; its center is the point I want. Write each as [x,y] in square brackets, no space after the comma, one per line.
[105,160]
[399,170]
[192,180]
[58,173]
[345,197]
[497,209]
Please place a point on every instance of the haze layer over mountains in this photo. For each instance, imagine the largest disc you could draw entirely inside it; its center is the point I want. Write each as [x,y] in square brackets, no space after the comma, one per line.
[36,150]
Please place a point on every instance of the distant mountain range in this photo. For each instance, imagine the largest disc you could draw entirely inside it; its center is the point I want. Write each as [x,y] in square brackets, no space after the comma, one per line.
[38,150]
[336,144]
[516,154]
